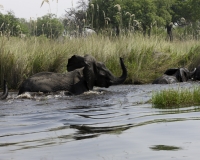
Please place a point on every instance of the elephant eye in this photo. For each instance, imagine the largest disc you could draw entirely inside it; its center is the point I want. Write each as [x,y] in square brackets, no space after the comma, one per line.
[101,72]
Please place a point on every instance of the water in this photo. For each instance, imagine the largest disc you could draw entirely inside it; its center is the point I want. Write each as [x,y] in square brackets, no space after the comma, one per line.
[106,124]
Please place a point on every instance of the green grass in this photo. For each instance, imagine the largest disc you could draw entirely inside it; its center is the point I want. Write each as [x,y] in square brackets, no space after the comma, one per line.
[146,58]
[175,98]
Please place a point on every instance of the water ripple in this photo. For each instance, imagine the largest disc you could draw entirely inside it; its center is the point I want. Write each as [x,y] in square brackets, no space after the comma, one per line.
[27,124]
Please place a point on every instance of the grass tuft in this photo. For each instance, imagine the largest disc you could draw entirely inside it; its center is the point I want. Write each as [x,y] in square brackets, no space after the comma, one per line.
[176,98]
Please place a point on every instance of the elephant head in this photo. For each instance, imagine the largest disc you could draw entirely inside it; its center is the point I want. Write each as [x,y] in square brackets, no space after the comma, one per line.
[5,91]
[96,73]
[181,74]
[174,75]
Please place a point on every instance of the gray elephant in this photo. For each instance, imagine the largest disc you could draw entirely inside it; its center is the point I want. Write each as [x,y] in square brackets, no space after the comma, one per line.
[5,91]
[83,74]
[174,75]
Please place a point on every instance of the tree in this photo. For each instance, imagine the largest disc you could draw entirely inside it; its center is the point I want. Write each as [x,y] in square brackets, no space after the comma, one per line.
[163,13]
[186,15]
[144,11]
[10,25]
[48,26]
[24,25]
[147,15]
[181,8]
[164,17]
[103,11]
[194,6]
[76,19]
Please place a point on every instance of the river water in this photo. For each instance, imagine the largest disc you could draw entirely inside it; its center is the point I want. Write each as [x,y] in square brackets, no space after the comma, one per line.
[116,123]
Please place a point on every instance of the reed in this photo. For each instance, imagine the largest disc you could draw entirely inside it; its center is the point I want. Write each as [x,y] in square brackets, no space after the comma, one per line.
[146,58]
[173,98]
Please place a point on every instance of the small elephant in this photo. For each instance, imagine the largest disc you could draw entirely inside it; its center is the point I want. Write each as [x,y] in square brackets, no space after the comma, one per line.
[174,75]
[83,74]
[5,91]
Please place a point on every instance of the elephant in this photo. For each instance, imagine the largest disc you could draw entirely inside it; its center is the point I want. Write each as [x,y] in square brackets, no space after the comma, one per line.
[88,32]
[83,74]
[174,75]
[5,91]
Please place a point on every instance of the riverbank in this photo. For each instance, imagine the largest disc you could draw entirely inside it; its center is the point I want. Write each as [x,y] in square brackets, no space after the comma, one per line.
[145,58]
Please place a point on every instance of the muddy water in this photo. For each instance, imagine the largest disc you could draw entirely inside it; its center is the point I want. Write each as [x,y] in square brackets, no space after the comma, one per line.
[106,124]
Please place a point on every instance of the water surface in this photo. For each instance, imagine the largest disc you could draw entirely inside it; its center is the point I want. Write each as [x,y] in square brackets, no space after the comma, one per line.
[105,124]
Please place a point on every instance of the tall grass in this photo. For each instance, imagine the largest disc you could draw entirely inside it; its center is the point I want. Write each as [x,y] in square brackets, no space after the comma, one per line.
[173,98]
[146,58]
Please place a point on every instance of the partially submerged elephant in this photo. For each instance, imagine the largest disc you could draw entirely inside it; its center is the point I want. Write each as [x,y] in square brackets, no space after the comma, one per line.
[174,75]
[5,91]
[196,75]
[83,74]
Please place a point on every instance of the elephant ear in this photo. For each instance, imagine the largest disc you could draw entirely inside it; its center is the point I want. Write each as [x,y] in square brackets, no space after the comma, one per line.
[75,62]
[89,71]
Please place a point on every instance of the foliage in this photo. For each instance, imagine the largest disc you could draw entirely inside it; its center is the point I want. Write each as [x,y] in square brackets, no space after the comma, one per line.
[24,25]
[147,13]
[48,26]
[163,13]
[107,16]
[10,25]
[75,21]
[194,9]
[176,98]
[124,13]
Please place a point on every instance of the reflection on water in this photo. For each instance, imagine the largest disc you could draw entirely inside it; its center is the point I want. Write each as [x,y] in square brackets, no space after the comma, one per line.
[113,123]
[165,148]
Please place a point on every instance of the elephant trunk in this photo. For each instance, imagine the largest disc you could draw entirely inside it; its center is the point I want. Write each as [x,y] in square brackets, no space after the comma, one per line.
[185,74]
[191,74]
[122,78]
[5,91]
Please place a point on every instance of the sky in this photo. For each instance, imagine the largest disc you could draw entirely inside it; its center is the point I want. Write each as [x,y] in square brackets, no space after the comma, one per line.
[32,8]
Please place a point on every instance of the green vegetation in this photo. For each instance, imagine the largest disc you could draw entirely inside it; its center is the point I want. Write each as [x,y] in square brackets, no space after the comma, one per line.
[48,25]
[142,15]
[173,98]
[103,16]
[43,48]
[145,58]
